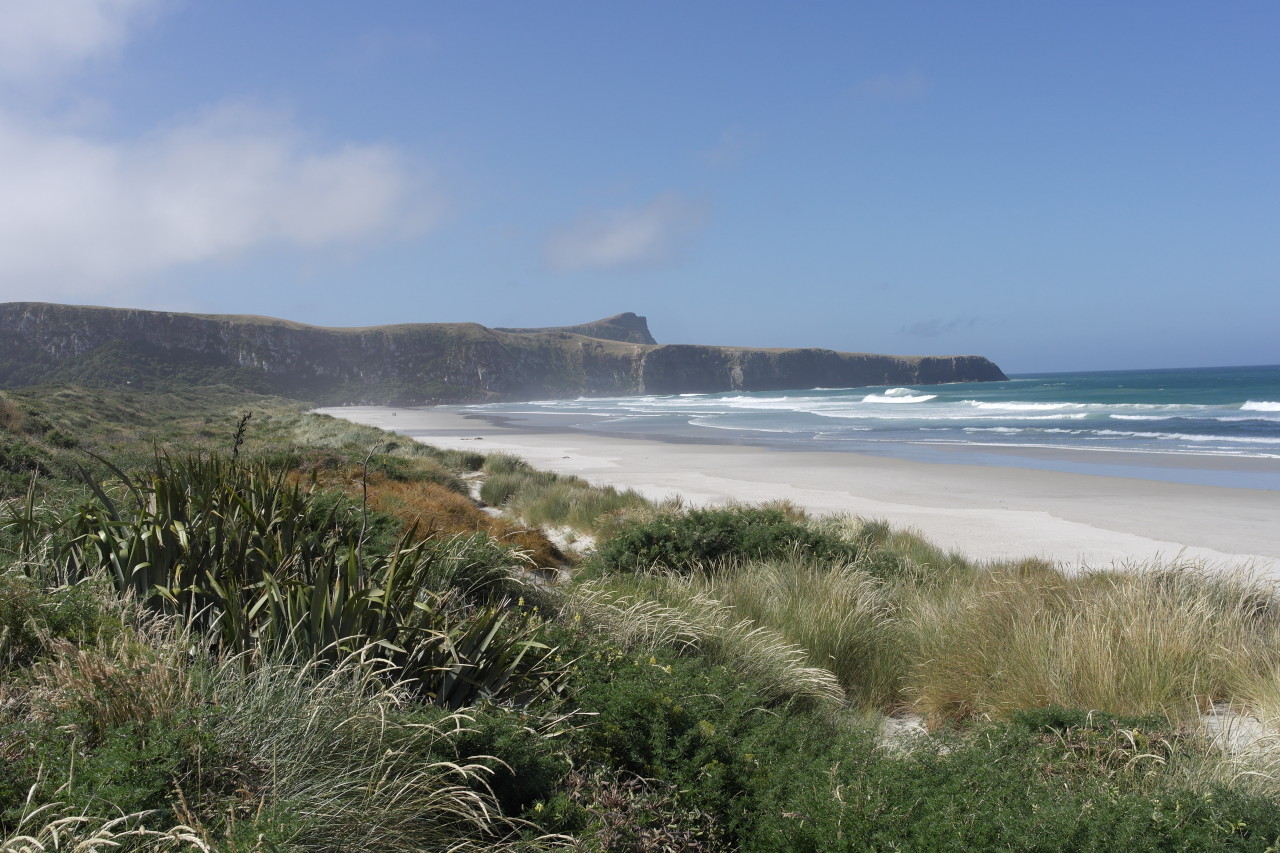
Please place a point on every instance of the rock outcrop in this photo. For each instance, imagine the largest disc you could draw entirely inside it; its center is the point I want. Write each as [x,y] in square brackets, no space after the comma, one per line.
[627,327]
[420,363]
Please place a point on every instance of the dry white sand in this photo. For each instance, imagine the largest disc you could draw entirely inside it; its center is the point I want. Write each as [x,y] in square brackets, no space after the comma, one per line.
[983,511]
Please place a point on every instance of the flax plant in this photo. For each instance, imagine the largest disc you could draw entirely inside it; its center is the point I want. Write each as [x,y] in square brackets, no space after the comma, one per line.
[247,559]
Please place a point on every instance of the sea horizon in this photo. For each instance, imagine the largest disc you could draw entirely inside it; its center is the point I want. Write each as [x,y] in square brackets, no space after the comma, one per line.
[1213,426]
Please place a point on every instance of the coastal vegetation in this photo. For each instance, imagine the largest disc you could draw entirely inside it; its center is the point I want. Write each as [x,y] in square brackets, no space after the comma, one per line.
[279,631]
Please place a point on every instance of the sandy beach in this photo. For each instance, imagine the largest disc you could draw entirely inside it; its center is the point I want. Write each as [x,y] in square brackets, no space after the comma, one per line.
[984,511]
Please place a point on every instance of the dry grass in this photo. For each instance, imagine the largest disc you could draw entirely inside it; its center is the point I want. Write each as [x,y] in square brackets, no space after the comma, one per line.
[1159,639]
[698,623]
[438,511]
[841,615]
[12,418]
[42,829]
[543,498]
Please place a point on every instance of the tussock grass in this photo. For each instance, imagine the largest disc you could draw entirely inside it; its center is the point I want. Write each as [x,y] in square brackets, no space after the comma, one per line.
[1158,639]
[841,615]
[44,829]
[12,418]
[282,426]
[506,463]
[908,624]
[543,498]
[708,627]
[338,767]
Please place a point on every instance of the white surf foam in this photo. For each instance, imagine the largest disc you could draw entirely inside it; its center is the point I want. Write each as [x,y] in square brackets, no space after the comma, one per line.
[890,397]
[1027,407]
[1181,436]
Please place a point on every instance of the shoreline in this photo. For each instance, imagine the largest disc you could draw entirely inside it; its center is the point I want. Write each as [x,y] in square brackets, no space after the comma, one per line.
[986,512]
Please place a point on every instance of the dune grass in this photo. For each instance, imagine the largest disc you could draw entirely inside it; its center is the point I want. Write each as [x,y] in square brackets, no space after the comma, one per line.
[905,625]
[542,498]
[1165,639]
[236,755]
[725,695]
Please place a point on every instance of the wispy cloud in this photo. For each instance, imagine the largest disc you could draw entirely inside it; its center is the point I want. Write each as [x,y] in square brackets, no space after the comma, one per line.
[936,328]
[894,87]
[653,234]
[43,37]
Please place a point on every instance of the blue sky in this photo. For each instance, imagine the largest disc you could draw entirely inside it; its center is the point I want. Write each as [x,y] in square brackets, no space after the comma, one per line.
[1055,185]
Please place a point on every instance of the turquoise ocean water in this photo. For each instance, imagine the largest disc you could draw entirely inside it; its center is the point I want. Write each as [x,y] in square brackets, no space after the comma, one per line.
[1214,426]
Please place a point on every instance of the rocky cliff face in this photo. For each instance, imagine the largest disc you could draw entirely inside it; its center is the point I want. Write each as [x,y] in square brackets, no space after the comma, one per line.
[688,369]
[419,363]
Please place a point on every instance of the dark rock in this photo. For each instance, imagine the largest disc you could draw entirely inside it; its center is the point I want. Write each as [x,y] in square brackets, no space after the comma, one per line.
[419,363]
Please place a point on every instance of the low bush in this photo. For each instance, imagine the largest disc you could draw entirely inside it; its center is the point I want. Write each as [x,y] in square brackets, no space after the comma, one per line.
[432,510]
[32,619]
[999,788]
[703,538]
[702,739]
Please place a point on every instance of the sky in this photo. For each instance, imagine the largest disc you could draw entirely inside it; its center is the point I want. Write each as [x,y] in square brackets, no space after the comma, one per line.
[1055,185]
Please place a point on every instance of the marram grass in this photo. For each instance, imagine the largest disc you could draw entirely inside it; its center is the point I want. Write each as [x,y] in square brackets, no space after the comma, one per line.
[1166,640]
[841,616]
[699,624]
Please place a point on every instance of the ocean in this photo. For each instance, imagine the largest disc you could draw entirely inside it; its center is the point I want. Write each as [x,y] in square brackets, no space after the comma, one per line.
[1208,426]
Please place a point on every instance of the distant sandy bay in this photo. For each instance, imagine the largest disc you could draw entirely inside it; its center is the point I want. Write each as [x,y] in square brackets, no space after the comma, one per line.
[983,511]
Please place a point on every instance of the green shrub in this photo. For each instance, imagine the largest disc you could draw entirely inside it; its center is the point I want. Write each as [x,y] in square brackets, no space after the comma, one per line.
[703,735]
[129,768]
[527,765]
[1055,718]
[702,538]
[31,619]
[998,788]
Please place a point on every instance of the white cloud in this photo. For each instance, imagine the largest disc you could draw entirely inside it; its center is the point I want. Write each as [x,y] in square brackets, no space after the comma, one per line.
[40,37]
[83,214]
[79,215]
[650,235]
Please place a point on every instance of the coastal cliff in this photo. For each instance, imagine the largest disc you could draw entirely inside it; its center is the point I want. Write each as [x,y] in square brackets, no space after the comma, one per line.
[422,362]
